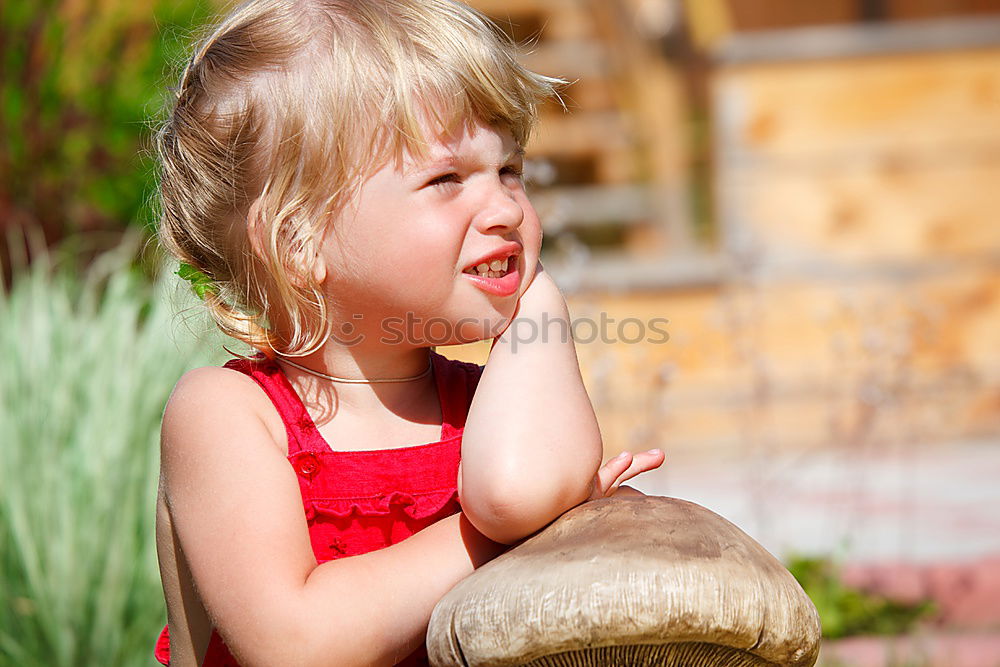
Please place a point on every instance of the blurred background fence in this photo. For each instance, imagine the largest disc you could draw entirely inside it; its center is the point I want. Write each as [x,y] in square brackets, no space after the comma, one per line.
[806,192]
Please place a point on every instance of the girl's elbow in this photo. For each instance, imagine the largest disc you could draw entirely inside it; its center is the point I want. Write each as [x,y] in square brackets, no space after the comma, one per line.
[524,510]
[496,520]
[506,514]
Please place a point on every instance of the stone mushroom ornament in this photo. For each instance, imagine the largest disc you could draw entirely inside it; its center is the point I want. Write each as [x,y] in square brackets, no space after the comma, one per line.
[628,580]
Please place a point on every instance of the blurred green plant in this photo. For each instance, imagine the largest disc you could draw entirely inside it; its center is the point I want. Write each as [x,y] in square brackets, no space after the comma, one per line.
[845,611]
[81,84]
[89,359]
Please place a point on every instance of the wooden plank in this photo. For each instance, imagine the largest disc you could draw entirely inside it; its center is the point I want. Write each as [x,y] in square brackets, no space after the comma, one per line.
[561,19]
[569,59]
[586,95]
[854,40]
[801,360]
[618,272]
[887,104]
[595,204]
[502,7]
[655,102]
[581,133]
[888,158]
[867,214]
[756,15]
[928,9]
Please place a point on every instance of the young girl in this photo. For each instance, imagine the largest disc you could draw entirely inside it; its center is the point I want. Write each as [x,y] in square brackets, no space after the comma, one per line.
[346,175]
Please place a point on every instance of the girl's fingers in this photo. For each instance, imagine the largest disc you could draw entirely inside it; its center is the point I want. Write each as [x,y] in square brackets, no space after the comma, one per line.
[609,472]
[624,467]
[651,460]
[641,463]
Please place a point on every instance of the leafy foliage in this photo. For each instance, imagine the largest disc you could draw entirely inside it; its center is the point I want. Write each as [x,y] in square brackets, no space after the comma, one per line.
[200,283]
[89,358]
[845,611]
[79,83]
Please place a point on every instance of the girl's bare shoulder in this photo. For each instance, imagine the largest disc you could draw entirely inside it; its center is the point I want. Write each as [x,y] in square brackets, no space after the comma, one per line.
[219,399]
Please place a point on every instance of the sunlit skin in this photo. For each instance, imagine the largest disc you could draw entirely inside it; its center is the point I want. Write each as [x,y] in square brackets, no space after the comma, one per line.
[400,247]
[229,497]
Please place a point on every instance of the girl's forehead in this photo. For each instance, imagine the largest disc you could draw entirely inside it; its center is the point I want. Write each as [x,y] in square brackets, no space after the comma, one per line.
[474,140]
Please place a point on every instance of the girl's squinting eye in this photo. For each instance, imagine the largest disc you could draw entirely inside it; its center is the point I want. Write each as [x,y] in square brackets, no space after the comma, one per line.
[512,170]
[443,179]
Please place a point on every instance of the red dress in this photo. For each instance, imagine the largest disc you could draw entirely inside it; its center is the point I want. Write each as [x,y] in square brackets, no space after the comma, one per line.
[360,501]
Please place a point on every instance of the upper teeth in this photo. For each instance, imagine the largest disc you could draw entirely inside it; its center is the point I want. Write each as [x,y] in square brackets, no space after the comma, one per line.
[493,266]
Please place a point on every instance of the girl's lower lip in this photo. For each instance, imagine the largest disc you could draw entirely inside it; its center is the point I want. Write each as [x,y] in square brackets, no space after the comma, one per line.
[504,286]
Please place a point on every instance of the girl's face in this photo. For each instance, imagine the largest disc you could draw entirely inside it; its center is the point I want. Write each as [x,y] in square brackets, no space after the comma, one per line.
[400,259]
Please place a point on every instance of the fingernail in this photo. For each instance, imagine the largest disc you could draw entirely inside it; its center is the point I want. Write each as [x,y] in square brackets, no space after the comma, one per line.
[655,451]
[621,456]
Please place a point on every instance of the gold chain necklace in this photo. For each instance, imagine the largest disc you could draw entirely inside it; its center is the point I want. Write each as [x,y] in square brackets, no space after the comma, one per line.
[334,378]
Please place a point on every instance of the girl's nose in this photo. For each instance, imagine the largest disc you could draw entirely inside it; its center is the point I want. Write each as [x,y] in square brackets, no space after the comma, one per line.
[499,210]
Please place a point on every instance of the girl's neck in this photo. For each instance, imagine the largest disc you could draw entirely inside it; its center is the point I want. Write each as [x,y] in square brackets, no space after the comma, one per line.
[342,380]
[355,362]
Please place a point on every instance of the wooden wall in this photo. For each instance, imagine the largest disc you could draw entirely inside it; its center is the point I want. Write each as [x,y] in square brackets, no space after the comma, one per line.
[859,203]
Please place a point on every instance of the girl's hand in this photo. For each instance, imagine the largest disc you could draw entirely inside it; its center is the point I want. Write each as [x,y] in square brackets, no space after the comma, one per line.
[622,468]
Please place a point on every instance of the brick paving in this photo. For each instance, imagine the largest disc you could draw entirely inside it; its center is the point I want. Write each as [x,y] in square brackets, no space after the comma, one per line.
[909,524]
[922,650]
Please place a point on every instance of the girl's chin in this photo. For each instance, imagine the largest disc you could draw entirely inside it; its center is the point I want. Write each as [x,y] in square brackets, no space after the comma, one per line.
[482,330]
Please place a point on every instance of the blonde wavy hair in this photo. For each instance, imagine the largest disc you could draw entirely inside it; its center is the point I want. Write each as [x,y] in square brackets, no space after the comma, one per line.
[283,110]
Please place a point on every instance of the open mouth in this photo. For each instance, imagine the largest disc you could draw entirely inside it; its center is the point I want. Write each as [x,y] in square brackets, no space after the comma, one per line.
[498,277]
[498,268]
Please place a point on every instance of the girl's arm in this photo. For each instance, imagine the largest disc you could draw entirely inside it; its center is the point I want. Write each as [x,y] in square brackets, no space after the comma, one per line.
[532,444]
[235,507]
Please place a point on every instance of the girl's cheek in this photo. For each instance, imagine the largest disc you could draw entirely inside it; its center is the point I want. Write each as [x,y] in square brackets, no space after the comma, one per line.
[533,247]
[533,229]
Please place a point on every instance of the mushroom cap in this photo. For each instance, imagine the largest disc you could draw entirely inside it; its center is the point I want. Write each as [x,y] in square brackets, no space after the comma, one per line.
[643,580]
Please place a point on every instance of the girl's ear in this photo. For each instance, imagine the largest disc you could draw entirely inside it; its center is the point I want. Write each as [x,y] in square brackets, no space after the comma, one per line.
[319,269]
[255,229]
[311,258]
[318,261]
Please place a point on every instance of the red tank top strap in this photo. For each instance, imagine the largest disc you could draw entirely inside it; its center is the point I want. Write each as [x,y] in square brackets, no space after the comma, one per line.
[302,433]
[456,383]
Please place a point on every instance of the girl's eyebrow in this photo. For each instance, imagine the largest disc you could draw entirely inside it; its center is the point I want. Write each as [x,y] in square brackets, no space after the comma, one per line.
[434,163]
[449,160]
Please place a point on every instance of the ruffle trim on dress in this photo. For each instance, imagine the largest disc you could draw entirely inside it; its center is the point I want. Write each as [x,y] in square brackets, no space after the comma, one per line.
[414,505]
